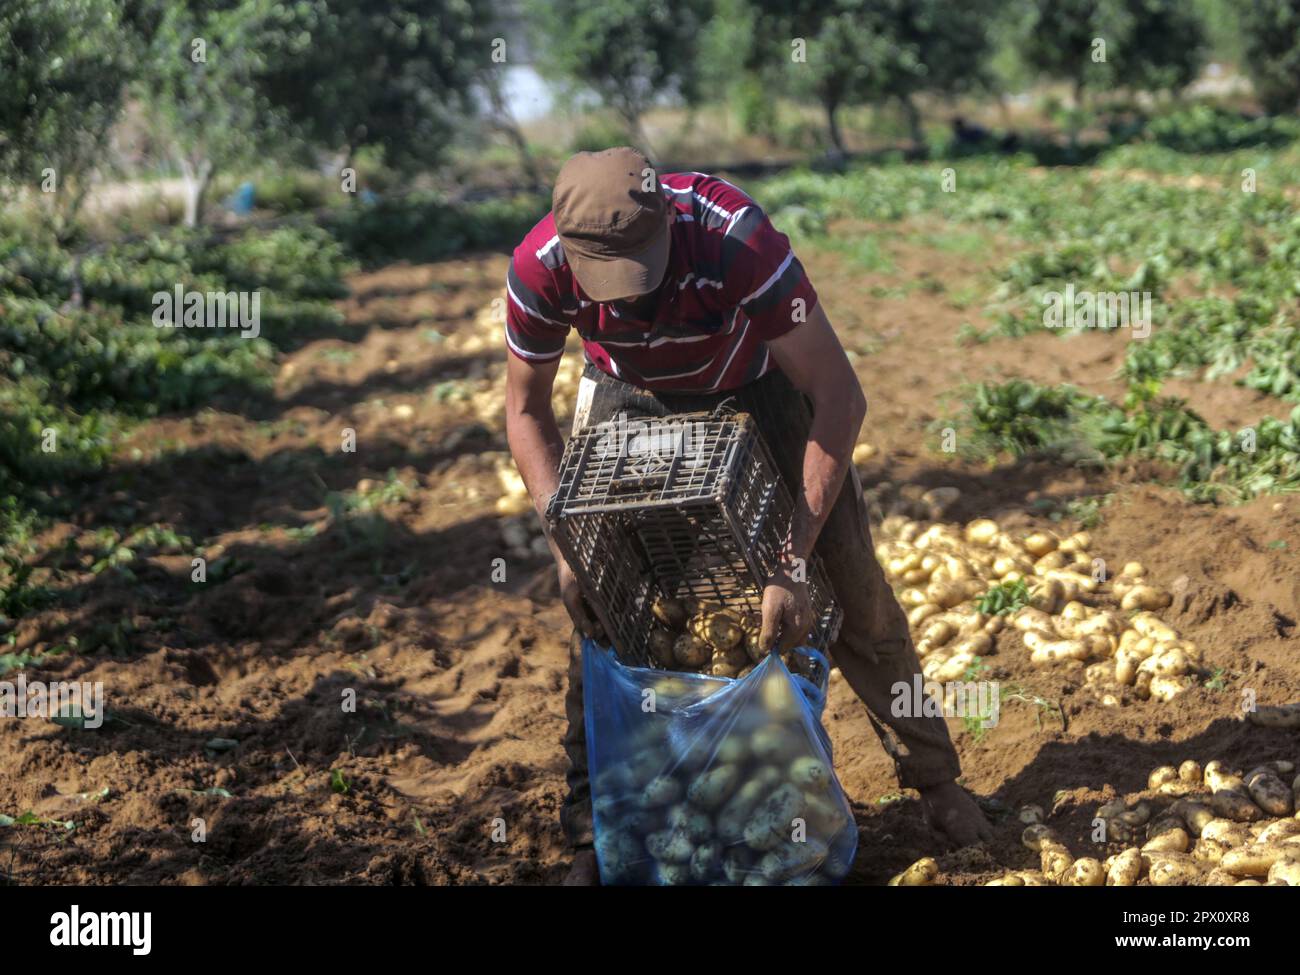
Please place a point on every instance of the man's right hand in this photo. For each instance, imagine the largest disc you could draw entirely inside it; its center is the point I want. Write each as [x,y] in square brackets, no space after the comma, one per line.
[583,618]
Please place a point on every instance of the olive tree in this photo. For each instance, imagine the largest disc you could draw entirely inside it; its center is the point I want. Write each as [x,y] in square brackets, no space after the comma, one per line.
[628,53]
[63,66]
[1271,43]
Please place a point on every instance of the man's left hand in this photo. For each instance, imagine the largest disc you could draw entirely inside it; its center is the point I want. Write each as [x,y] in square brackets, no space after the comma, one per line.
[787,612]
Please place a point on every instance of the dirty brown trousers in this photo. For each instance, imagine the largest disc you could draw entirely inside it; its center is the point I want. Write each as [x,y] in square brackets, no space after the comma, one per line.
[874,650]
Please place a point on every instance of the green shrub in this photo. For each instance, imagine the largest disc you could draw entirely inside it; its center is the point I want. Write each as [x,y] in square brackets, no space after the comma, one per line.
[425,227]
[96,360]
[302,261]
[1208,128]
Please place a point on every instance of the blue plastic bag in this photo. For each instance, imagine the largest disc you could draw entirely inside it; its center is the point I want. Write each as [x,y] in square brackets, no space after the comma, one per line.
[708,780]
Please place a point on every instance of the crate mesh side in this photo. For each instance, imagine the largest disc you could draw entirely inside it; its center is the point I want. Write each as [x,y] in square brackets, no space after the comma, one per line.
[634,526]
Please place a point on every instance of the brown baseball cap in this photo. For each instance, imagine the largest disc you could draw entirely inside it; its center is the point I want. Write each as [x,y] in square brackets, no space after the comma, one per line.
[614,229]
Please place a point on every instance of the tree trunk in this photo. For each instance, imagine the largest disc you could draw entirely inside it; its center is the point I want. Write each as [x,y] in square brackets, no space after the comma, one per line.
[504,120]
[833,128]
[633,119]
[197,177]
[914,127]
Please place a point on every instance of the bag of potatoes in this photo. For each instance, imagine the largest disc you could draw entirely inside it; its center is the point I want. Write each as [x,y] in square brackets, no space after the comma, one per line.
[703,780]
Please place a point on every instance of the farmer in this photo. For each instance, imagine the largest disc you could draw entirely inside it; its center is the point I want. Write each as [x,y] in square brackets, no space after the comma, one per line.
[685,295]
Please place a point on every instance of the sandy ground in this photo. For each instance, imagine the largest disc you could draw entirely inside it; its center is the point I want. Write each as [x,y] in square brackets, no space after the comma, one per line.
[458,681]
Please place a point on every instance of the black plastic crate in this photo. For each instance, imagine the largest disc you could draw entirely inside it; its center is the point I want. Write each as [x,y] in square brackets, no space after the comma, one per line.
[689,506]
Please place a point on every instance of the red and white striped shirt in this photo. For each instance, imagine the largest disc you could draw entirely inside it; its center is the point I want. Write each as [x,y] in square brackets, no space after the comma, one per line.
[731,286]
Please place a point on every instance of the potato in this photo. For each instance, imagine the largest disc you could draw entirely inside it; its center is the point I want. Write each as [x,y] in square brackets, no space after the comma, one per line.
[1050,651]
[718,628]
[938,632]
[1145,597]
[771,823]
[690,651]
[790,859]
[950,669]
[1133,570]
[695,823]
[776,744]
[1172,870]
[1255,860]
[1028,618]
[706,861]
[1167,662]
[1285,871]
[645,767]
[1047,595]
[903,563]
[808,772]
[1168,839]
[920,874]
[1085,872]
[1161,775]
[1167,688]
[661,649]
[1136,815]
[1056,860]
[1191,771]
[662,790]
[1010,880]
[1229,804]
[1030,815]
[737,864]
[1039,544]
[670,846]
[1219,776]
[712,788]
[824,816]
[737,810]
[1035,836]
[1126,868]
[947,594]
[670,612]
[982,531]
[1004,565]
[1269,792]
[1148,624]
[1280,831]
[922,612]
[1195,815]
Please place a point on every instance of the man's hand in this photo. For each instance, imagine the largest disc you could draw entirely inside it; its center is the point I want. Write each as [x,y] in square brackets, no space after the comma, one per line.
[583,618]
[787,612]
[949,808]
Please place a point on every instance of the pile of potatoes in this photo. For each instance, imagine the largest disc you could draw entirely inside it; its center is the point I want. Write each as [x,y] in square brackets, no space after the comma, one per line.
[940,570]
[704,638]
[754,804]
[1194,826]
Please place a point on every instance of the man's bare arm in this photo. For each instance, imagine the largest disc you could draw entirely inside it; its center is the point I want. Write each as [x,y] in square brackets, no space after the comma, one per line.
[537,447]
[813,359]
[531,430]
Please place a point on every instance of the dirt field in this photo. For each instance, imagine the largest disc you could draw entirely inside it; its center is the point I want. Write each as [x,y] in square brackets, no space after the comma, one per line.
[337,576]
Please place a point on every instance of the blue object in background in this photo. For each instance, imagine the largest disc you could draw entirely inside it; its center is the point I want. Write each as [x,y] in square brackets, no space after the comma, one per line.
[699,780]
[241,201]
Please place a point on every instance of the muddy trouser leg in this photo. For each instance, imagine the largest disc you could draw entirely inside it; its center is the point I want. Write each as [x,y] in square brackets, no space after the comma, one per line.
[874,650]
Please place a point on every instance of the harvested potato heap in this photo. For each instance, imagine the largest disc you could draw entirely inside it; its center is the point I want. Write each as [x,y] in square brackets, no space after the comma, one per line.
[717,784]
[941,570]
[1192,826]
[704,638]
